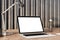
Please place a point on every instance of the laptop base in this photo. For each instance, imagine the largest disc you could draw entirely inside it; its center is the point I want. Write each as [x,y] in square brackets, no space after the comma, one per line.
[35,34]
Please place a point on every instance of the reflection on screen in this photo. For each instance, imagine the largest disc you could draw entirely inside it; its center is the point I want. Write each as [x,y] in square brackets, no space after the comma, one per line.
[29,24]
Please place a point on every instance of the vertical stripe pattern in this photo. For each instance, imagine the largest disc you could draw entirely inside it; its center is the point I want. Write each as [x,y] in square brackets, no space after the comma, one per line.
[46,9]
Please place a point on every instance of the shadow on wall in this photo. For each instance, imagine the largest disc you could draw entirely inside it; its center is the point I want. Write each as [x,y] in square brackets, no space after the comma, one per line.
[56,22]
[0,18]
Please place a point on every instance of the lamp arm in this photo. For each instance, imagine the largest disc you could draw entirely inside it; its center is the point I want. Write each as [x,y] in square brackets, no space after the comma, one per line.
[10,7]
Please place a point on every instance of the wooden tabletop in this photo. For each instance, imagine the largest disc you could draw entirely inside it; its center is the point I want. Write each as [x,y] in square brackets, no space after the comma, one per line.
[16,36]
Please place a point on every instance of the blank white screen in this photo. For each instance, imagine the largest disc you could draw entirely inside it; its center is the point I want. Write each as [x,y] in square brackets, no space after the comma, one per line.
[29,24]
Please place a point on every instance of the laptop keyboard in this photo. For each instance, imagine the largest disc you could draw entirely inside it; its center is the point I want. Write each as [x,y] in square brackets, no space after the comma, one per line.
[35,34]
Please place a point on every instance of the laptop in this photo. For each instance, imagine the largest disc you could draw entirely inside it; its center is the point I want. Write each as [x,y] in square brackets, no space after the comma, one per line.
[30,27]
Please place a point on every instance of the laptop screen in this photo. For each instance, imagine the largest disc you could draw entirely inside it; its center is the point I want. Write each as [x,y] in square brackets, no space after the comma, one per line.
[30,24]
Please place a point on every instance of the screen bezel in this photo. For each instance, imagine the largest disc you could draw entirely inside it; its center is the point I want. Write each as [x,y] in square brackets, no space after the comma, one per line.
[29,32]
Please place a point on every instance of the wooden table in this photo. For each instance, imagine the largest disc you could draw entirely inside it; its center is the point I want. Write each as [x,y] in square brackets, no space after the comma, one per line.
[16,36]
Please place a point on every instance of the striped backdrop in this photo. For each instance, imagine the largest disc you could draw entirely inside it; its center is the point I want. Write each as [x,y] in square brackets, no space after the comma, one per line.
[46,9]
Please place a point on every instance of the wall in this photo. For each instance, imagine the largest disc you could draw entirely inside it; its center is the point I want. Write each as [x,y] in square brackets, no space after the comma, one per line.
[46,9]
